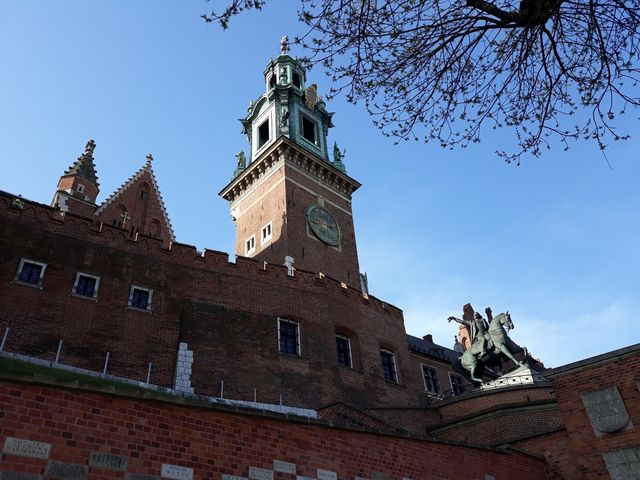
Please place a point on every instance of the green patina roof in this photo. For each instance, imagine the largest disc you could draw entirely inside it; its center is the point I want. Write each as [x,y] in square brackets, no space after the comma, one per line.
[83,166]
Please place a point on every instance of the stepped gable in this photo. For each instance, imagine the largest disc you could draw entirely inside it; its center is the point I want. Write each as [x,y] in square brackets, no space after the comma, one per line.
[137,207]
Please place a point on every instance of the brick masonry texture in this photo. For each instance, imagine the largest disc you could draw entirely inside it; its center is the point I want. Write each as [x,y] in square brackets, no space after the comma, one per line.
[576,452]
[226,312]
[214,443]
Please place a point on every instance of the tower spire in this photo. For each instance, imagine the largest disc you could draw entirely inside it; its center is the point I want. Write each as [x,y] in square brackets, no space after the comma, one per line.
[84,167]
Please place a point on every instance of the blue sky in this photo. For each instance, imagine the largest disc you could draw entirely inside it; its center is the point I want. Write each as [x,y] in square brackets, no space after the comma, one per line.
[554,240]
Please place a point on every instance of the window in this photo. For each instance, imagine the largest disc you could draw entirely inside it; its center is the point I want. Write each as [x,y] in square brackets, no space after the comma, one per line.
[288,337]
[431,382]
[297,81]
[30,272]
[272,82]
[387,358]
[140,298]
[86,285]
[343,344]
[80,188]
[250,245]
[266,233]
[263,133]
[457,383]
[309,130]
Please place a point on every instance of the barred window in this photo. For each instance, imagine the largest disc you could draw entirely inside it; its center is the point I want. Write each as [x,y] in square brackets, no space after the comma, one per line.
[30,272]
[430,376]
[288,337]
[343,344]
[457,383]
[140,298]
[86,285]
[387,358]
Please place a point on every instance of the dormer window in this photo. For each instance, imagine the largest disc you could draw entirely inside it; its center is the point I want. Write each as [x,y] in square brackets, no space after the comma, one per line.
[80,188]
[297,80]
[309,130]
[263,133]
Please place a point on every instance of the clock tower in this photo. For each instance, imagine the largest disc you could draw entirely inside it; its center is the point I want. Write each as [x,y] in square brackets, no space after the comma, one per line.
[290,201]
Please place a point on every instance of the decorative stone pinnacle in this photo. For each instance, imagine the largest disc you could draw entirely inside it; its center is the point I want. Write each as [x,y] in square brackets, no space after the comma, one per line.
[284,45]
[149,158]
[88,150]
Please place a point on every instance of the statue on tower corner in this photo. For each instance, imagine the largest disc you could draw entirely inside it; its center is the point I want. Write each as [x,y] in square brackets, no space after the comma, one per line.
[489,342]
[337,158]
[241,165]
[284,45]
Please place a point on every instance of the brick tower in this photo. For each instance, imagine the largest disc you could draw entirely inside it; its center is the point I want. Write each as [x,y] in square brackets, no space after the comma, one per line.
[78,188]
[291,204]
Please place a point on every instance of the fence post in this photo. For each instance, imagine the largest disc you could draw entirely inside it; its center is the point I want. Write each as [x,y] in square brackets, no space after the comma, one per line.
[4,338]
[58,352]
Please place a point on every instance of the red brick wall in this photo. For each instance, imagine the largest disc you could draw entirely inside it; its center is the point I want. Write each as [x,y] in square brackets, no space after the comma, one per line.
[577,452]
[213,442]
[227,313]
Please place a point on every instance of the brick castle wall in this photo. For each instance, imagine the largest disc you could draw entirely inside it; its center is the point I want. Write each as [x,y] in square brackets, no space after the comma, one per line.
[142,435]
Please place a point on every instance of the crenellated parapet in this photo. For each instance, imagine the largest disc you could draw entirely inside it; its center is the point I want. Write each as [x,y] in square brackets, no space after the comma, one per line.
[16,210]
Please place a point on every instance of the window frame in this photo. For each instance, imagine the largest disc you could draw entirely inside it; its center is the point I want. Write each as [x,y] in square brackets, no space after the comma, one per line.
[265,238]
[298,345]
[453,375]
[394,365]
[23,261]
[252,240]
[438,385]
[149,298]
[316,133]
[74,290]
[261,144]
[349,351]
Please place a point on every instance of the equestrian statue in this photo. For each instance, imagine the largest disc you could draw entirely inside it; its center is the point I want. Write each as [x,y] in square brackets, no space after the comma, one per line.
[489,343]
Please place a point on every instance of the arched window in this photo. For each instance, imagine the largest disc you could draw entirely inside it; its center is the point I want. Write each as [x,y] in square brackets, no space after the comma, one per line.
[155,228]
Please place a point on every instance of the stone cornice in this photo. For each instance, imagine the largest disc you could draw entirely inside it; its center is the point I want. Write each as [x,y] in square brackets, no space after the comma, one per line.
[294,155]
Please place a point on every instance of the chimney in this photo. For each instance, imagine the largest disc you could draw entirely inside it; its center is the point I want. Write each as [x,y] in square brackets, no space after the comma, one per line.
[428,338]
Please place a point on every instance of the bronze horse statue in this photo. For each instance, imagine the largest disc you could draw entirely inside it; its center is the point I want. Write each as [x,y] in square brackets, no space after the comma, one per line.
[473,360]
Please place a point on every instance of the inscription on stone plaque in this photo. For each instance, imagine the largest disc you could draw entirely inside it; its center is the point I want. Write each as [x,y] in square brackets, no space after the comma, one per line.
[327,475]
[26,448]
[284,467]
[623,464]
[260,474]
[19,476]
[379,476]
[300,477]
[606,410]
[176,472]
[233,477]
[140,476]
[67,471]
[108,461]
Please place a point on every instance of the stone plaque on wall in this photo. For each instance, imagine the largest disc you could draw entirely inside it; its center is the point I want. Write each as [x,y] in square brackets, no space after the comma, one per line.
[606,410]
[233,477]
[623,464]
[67,471]
[260,474]
[140,476]
[284,467]
[26,448]
[327,475]
[176,472]
[108,461]
[379,476]
[19,476]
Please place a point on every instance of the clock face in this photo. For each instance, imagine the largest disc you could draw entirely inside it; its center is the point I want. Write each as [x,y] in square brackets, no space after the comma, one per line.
[323,225]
